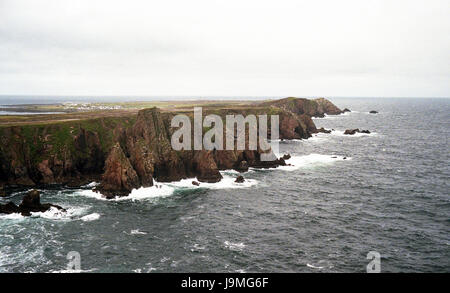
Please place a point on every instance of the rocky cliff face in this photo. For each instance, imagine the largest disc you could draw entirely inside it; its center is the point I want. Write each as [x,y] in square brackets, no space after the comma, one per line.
[312,108]
[127,153]
[61,153]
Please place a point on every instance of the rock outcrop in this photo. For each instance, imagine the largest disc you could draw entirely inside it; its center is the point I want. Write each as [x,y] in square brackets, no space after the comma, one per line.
[119,178]
[323,130]
[242,167]
[312,108]
[353,131]
[31,203]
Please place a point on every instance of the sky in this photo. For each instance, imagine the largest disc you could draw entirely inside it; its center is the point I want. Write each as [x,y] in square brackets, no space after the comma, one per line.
[373,48]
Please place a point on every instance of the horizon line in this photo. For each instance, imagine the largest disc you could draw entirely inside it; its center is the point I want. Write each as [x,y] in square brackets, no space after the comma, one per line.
[214,96]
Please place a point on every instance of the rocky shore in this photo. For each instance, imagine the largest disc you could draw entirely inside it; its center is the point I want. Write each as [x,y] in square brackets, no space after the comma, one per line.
[124,153]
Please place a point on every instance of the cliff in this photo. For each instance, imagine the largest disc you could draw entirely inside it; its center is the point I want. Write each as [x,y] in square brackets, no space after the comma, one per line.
[123,153]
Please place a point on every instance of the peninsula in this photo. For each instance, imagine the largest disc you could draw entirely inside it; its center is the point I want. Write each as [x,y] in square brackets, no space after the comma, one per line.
[127,146]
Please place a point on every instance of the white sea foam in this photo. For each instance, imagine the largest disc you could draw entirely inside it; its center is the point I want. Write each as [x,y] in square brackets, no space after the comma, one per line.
[157,190]
[67,271]
[358,134]
[91,185]
[234,246]
[311,160]
[90,217]
[318,137]
[137,232]
[330,116]
[197,247]
[227,182]
[12,217]
[336,116]
[160,189]
[71,213]
[313,266]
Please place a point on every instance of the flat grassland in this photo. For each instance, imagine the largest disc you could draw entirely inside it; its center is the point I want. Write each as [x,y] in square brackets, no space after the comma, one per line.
[82,111]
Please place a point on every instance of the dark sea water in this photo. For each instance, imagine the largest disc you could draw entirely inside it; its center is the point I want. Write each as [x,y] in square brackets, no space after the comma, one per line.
[324,214]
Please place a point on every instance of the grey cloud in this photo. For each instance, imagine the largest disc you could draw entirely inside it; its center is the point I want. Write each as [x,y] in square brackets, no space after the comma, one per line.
[207,47]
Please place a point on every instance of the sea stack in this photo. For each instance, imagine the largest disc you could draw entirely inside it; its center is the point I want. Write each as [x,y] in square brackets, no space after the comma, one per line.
[31,202]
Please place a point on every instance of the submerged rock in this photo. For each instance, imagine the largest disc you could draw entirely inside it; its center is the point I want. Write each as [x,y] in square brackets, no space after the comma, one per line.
[353,131]
[373,112]
[31,202]
[286,156]
[240,179]
[323,130]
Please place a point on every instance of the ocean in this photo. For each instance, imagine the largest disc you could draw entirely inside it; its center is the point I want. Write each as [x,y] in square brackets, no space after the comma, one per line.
[344,197]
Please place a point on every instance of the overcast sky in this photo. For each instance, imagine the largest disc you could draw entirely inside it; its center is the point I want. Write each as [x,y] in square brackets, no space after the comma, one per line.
[240,48]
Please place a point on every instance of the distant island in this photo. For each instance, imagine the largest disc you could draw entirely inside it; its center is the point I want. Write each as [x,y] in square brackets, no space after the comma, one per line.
[126,146]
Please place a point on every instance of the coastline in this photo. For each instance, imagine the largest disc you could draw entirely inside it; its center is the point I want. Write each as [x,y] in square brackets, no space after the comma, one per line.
[75,149]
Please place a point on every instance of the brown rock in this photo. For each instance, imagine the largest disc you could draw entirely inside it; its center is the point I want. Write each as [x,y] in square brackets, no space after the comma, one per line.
[119,178]
[195,183]
[46,172]
[242,167]
[9,208]
[323,130]
[240,179]
[31,199]
[351,131]
[327,107]
[205,167]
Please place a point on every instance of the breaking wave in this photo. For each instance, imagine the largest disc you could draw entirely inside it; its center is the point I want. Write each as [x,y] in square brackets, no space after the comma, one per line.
[234,246]
[161,190]
[71,213]
[358,134]
[91,217]
[312,160]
